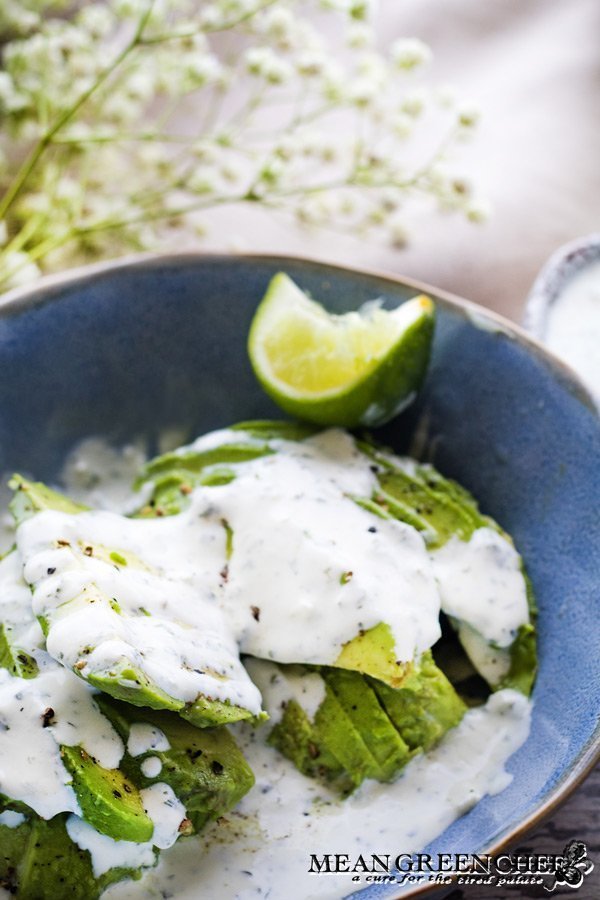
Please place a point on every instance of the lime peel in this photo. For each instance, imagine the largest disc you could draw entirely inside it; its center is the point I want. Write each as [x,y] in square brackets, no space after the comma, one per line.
[359,368]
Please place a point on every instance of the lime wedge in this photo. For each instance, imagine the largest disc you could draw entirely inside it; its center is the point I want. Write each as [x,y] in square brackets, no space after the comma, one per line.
[360,368]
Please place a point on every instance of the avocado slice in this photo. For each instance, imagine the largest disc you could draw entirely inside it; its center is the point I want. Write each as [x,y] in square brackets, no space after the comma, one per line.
[13,847]
[372,653]
[330,746]
[441,508]
[297,739]
[174,475]
[124,680]
[364,728]
[334,728]
[18,662]
[38,861]
[425,707]
[362,706]
[31,497]
[109,801]
[420,496]
[205,768]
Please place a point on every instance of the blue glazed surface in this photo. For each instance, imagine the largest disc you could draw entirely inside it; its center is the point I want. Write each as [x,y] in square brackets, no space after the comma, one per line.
[137,348]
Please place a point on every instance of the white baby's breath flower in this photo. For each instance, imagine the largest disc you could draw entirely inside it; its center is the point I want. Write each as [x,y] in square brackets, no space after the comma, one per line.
[278,23]
[398,234]
[445,96]
[409,53]
[311,63]
[18,270]
[264,63]
[359,35]
[402,125]
[413,102]
[478,211]
[96,19]
[468,115]
[281,118]
[11,100]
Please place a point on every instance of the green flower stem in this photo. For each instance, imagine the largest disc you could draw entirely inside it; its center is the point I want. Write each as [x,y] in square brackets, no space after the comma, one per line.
[32,160]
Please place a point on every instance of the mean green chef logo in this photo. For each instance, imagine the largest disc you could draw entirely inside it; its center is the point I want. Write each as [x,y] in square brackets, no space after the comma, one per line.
[575,866]
[547,871]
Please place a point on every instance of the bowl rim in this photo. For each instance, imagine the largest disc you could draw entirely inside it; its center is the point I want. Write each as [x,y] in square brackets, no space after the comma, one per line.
[35,293]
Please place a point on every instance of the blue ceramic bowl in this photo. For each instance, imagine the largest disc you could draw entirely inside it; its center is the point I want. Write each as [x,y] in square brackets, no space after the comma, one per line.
[136,347]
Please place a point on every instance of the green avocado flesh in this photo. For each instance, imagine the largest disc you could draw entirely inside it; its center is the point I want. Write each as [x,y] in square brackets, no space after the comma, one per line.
[419,495]
[375,716]
[108,800]
[205,768]
[18,663]
[365,729]
[38,861]
[124,682]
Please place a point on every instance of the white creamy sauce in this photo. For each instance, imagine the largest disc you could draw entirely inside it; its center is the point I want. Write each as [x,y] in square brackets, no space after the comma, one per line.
[166,622]
[15,605]
[106,853]
[11,819]
[264,846]
[481,583]
[31,769]
[151,767]
[144,737]
[492,663]
[166,812]
[573,326]
[309,569]
[278,687]
[311,565]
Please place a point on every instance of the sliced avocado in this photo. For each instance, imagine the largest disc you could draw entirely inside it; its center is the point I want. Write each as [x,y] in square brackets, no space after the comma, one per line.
[205,713]
[523,662]
[39,861]
[366,729]
[523,650]
[13,847]
[362,706]
[425,707]
[18,663]
[441,508]
[205,768]
[31,497]
[335,746]
[334,729]
[373,653]
[124,680]
[272,430]
[174,475]
[109,801]
[129,683]
[297,739]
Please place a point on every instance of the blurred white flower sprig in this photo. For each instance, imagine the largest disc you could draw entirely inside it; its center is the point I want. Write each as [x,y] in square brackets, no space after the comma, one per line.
[125,121]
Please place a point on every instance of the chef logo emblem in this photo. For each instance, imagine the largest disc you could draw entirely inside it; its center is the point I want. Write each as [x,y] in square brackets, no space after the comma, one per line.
[573,868]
